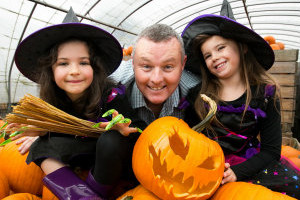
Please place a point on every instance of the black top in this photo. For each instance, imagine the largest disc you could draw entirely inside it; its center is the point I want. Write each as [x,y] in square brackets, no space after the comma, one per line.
[262,118]
[80,151]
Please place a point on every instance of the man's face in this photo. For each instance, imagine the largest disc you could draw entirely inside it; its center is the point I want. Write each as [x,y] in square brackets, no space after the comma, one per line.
[157,68]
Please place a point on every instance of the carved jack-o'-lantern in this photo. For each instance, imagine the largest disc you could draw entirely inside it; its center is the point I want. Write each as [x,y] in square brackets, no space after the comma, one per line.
[175,162]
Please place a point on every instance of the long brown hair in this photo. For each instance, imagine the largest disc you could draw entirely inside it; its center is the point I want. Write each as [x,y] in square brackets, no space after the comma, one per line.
[88,105]
[252,73]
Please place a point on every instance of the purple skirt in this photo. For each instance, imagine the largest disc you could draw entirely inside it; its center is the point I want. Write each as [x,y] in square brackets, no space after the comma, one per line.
[280,176]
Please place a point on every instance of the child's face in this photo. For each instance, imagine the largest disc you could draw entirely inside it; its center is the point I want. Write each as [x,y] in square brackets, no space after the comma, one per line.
[222,57]
[72,70]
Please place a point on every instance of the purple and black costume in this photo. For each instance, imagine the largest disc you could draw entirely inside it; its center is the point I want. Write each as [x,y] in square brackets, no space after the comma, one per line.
[252,159]
[109,155]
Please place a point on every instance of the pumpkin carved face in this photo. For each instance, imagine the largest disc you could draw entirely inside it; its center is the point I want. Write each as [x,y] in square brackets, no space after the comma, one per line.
[175,162]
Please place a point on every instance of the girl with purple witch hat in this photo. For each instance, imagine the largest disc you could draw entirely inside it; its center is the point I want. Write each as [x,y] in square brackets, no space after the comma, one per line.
[71,61]
[233,62]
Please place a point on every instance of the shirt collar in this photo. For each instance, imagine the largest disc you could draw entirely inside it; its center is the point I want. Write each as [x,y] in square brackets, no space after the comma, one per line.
[138,101]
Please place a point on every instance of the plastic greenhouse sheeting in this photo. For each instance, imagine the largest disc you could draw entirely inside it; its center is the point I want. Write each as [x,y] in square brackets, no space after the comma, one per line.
[125,19]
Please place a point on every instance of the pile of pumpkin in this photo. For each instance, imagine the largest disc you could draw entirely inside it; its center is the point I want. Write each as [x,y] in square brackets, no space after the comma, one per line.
[170,160]
[273,43]
[127,51]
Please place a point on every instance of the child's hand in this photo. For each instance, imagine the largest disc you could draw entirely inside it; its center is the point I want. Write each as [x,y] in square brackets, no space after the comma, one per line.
[229,175]
[123,128]
[22,127]
[25,142]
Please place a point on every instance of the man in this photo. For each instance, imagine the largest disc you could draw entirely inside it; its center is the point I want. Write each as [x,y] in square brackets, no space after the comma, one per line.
[156,81]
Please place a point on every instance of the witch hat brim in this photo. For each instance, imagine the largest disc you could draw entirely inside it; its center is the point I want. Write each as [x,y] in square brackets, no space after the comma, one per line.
[228,28]
[38,43]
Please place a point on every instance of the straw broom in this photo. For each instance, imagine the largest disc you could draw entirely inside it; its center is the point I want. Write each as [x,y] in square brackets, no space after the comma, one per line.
[32,110]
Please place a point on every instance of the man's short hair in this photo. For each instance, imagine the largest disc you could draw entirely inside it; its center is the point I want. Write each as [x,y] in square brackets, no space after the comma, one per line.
[160,33]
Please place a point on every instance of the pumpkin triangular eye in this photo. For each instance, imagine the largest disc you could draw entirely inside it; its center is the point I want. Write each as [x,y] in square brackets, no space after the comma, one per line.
[208,164]
[178,146]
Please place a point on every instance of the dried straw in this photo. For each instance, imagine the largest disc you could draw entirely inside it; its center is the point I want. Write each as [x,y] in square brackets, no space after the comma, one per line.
[32,110]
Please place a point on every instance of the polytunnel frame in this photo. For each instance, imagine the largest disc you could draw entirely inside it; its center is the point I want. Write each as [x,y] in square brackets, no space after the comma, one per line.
[246,13]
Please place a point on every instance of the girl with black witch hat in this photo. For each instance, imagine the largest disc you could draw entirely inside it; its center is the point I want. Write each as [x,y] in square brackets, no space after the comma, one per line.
[233,62]
[71,61]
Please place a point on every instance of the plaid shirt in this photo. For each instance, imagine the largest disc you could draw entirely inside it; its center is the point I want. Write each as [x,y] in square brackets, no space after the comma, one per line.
[125,75]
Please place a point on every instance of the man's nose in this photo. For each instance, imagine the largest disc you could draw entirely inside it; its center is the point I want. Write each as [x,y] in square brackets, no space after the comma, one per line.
[156,76]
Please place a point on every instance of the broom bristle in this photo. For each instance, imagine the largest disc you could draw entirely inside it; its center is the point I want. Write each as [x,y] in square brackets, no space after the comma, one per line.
[32,110]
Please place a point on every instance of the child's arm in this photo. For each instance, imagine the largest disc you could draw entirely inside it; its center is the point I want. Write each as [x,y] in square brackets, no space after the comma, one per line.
[270,134]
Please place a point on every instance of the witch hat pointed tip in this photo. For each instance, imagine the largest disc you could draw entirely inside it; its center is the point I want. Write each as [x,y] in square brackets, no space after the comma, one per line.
[70,17]
[226,10]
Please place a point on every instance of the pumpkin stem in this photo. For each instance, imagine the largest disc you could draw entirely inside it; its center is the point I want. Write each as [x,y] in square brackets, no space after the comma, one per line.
[210,115]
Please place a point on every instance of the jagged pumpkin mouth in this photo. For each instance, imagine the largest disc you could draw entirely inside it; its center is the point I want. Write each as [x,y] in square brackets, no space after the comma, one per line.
[173,170]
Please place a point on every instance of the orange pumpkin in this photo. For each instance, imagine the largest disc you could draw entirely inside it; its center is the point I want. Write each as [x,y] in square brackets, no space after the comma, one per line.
[289,151]
[247,191]
[1,124]
[124,52]
[275,46]
[129,50]
[138,193]
[175,162]
[22,196]
[270,39]
[295,161]
[21,177]
[4,187]
[48,195]
[1,140]
[281,45]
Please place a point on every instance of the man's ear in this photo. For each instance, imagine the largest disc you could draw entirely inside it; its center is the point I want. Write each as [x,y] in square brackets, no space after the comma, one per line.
[132,62]
[184,61]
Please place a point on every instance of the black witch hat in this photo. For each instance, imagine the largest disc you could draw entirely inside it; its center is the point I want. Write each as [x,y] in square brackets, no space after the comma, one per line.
[39,42]
[225,26]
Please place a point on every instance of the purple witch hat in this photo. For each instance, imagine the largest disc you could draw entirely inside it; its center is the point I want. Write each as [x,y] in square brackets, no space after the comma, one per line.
[38,43]
[228,28]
